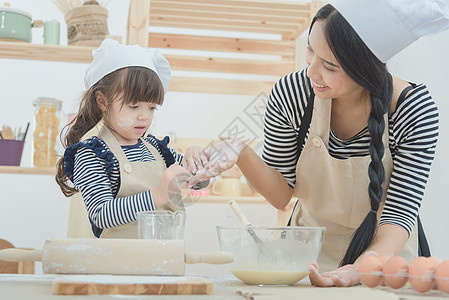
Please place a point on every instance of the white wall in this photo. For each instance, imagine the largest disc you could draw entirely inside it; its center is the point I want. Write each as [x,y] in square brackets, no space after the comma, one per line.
[32,208]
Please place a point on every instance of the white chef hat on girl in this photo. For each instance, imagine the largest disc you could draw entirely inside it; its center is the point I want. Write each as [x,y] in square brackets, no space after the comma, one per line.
[111,56]
[389,26]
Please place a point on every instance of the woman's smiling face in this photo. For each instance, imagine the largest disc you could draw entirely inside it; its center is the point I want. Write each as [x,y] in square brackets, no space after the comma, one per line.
[329,80]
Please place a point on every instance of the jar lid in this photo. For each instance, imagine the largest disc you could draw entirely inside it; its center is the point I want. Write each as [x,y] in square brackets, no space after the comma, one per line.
[14,10]
[46,101]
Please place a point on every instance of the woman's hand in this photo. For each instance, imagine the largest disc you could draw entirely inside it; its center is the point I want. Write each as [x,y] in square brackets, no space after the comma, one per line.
[341,277]
[194,159]
[222,156]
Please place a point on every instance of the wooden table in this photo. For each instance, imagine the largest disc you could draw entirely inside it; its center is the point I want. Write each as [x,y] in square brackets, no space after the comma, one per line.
[39,287]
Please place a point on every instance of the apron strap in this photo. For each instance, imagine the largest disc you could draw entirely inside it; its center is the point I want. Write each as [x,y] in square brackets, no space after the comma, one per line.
[403,94]
[300,140]
[423,246]
[305,124]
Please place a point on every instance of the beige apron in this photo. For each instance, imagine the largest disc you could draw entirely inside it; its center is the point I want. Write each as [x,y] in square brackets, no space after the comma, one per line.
[135,178]
[334,192]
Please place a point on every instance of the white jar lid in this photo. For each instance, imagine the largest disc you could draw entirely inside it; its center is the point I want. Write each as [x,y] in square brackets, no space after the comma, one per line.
[14,10]
[46,101]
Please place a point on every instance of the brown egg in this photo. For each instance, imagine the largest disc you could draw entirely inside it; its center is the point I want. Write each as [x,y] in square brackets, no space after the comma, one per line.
[442,276]
[383,259]
[421,273]
[370,270]
[395,272]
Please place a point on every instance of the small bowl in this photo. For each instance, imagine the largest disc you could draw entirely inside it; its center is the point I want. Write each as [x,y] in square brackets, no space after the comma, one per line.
[271,255]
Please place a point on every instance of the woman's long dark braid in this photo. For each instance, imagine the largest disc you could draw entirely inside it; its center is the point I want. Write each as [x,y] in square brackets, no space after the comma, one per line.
[370,73]
[363,236]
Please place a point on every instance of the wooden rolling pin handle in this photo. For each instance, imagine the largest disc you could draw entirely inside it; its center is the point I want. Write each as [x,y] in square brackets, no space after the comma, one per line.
[216,258]
[13,254]
[242,218]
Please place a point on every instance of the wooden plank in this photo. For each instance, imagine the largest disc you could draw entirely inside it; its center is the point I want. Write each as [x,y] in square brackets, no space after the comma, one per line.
[22,170]
[229,65]
[25,267]
[138,22]
[271,5]
[18,50]
[223,27]
[300,29]
[209,43]
[216,23]
[225,199]
[219,86]
[233,10]
[263,16]
[130,285]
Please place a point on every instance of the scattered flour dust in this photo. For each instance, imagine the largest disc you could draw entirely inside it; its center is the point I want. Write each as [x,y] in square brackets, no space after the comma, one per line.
[125,123]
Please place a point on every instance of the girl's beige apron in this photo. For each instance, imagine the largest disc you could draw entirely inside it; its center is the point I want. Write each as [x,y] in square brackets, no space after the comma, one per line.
[135,178]
[334,192]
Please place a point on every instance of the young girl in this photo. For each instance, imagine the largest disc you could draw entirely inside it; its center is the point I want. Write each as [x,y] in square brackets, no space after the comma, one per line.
[118,171]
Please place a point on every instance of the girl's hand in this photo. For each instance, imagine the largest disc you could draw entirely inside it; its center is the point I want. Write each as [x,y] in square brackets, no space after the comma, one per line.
[194,159]
[222,156]
[173,179]
[342,277]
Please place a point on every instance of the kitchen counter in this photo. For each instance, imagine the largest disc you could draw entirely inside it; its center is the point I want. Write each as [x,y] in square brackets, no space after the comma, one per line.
[39,287]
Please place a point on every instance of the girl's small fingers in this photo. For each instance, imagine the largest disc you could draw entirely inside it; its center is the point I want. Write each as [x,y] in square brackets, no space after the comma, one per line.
[204,159]
[190,165]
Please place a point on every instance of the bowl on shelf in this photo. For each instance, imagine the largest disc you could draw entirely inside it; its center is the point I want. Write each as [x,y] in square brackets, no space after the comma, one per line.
[271,255]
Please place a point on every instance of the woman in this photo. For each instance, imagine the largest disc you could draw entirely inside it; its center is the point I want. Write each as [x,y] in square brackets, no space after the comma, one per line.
[359,160]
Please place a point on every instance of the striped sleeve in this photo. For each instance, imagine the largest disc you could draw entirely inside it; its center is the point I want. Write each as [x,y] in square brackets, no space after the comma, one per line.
[415,135]
[105,211]
[283,115]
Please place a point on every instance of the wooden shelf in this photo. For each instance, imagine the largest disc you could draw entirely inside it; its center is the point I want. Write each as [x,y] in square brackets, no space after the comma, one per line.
[23,170]
[28,51]
[226,199]
[83,54]
[288,18]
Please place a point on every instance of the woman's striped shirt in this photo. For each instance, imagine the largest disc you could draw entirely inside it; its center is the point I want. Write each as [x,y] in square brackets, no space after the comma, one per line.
[413,134]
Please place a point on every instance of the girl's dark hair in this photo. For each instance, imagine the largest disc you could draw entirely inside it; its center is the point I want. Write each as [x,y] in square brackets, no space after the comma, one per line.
[369,72]
[132,84]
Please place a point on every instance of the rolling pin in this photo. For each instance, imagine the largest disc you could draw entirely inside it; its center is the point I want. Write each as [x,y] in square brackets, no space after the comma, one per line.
[114,256]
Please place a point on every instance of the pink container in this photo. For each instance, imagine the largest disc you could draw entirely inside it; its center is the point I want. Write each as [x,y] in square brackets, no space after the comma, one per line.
[11,152]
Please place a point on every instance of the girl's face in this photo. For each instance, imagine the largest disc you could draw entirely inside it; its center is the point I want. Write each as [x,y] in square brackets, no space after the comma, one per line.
[130,121]
[328,78]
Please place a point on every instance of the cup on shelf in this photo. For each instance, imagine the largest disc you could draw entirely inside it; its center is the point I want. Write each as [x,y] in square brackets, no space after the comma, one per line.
[11,152]
[227,186]
[52,29]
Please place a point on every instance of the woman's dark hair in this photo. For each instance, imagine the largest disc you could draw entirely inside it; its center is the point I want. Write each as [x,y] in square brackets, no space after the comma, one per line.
[369,72]
[134,84]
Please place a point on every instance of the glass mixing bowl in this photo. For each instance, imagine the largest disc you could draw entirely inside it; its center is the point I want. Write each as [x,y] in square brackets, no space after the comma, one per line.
[271,255]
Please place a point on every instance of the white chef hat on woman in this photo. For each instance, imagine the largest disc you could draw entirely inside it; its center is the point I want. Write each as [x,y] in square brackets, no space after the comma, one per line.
[111,56]
[389,26]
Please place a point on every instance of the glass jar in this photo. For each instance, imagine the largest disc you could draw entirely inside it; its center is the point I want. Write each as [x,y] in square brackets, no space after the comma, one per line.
[47,120]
